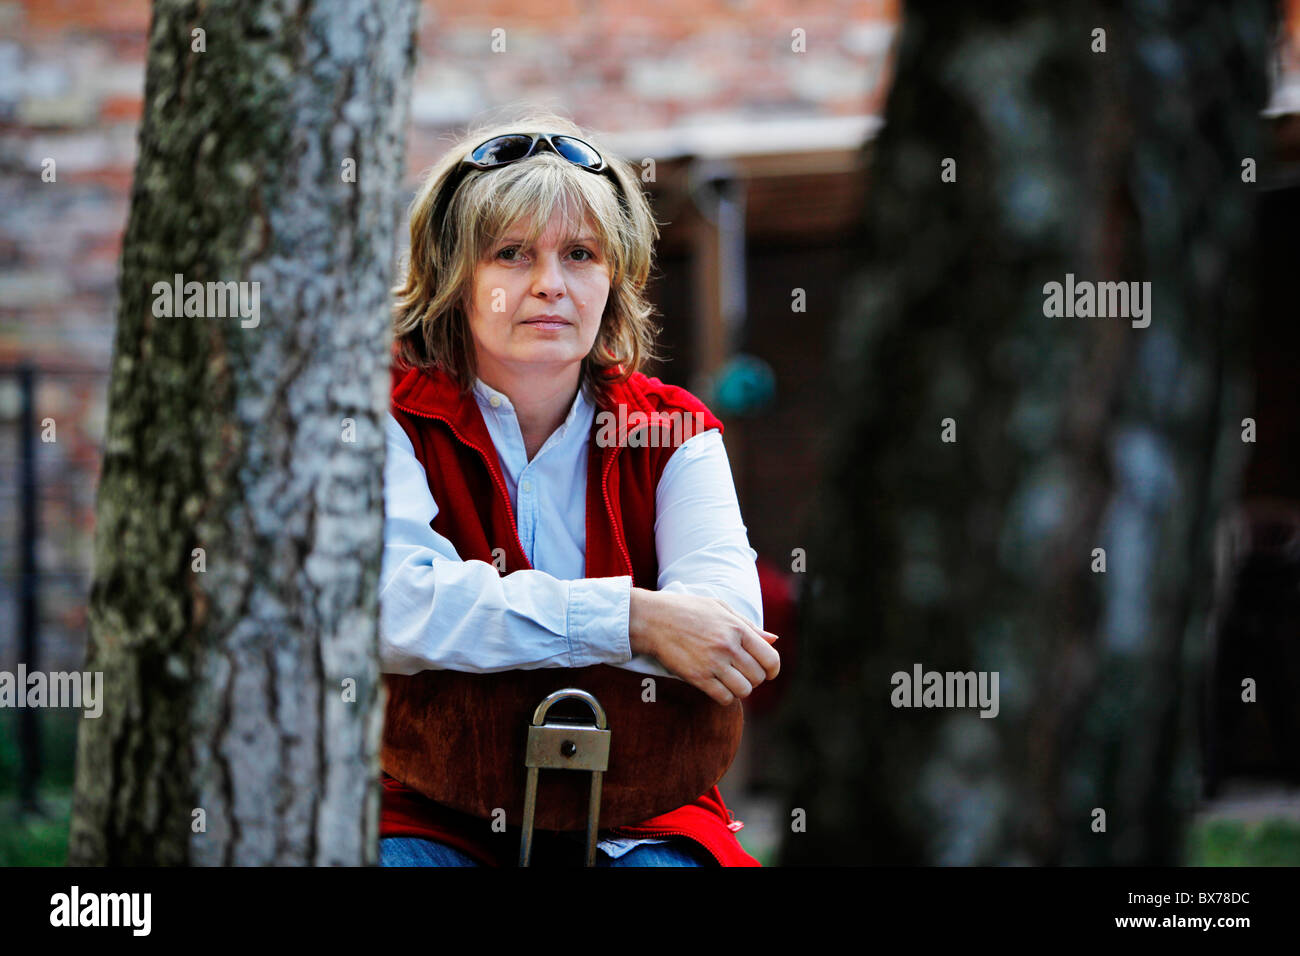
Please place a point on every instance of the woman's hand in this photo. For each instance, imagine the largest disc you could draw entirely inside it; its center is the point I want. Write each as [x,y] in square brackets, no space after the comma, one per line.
[702,641]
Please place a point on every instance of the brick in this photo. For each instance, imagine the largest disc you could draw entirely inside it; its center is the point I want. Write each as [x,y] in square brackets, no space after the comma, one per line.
[88,15]
[670,78]
[118,109]
[71,109]
[21,290]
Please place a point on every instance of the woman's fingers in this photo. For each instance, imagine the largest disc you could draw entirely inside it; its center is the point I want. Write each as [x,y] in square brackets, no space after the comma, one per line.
[717,690]
[764,655]
[757,660]
[747,663]
[696,635]
[735,682]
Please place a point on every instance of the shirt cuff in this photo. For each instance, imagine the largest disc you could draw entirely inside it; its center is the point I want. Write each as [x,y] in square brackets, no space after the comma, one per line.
[598,621]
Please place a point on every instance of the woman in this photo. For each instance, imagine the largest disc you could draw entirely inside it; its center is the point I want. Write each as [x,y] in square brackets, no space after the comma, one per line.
[520,324]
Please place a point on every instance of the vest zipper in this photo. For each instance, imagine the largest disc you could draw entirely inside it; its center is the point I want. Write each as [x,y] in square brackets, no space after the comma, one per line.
[496,478]
[609,510]
[609,505]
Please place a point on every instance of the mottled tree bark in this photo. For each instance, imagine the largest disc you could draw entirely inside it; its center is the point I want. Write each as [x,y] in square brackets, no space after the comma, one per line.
[1072,434]
[225,672]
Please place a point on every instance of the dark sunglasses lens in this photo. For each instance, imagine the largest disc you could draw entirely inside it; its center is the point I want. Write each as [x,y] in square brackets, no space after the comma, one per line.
[503,149]
[576,151]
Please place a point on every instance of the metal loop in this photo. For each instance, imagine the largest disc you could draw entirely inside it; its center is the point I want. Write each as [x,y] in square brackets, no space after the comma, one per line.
[569,693]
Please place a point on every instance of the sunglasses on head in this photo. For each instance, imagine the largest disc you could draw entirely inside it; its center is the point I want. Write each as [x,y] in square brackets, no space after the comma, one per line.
[512,147]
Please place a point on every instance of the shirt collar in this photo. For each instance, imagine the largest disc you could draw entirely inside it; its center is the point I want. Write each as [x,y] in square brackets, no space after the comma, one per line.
[498,401]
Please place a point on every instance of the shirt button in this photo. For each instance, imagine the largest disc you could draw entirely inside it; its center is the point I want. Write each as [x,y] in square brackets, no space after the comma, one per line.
[528,485]
[495,401]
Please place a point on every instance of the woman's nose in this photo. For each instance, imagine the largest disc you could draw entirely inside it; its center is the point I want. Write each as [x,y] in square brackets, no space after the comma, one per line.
[548,277]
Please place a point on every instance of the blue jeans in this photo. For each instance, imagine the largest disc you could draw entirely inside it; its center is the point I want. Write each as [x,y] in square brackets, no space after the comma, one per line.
[413,851]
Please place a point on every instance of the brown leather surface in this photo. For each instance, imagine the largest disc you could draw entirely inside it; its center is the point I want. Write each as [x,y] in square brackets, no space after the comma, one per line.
[459,739]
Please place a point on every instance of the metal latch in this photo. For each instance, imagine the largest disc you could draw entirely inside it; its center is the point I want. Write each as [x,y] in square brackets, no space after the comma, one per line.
[562,744]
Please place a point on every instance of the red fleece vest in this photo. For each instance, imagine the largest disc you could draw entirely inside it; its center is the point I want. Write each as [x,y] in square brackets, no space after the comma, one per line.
[451,441]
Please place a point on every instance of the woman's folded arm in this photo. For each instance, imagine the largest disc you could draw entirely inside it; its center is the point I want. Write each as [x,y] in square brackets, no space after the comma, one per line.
[438,611]
[700,539]
[704,621]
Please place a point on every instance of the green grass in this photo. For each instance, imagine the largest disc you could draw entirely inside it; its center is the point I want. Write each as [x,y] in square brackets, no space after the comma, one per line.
[28,840]
[58,739]
[766,855]
[1235,843]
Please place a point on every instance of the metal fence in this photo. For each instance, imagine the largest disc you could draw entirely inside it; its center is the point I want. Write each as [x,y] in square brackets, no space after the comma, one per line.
[51,426]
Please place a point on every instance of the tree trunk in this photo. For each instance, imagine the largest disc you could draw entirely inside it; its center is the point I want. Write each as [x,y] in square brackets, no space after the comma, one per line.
[1071,433]
[240,509]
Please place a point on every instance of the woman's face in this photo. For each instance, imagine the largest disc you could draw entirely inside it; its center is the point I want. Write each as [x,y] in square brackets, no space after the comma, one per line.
[537,310]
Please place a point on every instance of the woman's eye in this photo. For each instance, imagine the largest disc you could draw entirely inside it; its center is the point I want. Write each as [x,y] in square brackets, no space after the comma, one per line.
[512,253]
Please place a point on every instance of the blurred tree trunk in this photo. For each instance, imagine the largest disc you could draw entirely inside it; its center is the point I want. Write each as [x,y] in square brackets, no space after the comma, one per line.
[240,509]
[1071,434]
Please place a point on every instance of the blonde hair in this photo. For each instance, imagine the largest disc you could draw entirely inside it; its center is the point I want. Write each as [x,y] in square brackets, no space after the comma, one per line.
[430,325]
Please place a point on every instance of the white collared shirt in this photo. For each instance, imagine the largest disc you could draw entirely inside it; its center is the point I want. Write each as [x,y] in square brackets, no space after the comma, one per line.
[438,611]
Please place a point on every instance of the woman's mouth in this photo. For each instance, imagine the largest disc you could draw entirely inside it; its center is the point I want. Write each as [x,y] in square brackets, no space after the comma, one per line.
[550,323]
